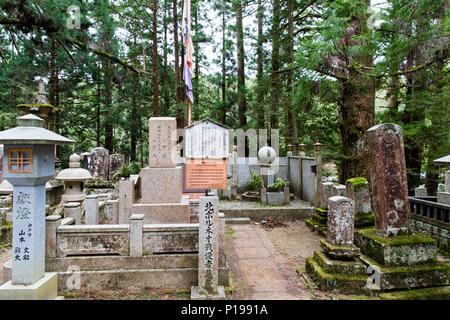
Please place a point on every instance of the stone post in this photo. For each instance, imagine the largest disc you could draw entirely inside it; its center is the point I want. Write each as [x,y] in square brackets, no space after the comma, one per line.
[73,209]
[126,196]
[339,190]
[358,190]
[91,208]
[326,192]
[52,222]
[389,184]
[208,251]
[341,221]
[420,191]
[222,256]
[116,161]
[301,154]
[1,163]
[99,164]
[318,182]
[263,194]
[112,211]
[287,195]
[447,181]
[136,225]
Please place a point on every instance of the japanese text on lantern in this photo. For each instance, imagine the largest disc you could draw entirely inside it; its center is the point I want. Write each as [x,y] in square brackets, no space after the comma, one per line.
[24,229]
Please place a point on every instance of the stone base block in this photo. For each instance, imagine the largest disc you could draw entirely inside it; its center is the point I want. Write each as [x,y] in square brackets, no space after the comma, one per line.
[406,277]
[340,252]
[276,198]
[443,198]
[199,294]
[398,250]
[364,220]
[44,289]
[162,213]
[339,266]
[161,185]
[343,283]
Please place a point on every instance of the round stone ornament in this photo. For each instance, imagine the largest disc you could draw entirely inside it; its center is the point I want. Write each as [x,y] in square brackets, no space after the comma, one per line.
[266,154]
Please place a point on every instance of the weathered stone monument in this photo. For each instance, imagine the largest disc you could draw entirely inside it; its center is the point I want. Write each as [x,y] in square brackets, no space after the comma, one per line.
[444,197]
[116,161]
[99,164]
[388,179]
[162,200]
[338,255]
[208,251]
[29,163]
[358,190]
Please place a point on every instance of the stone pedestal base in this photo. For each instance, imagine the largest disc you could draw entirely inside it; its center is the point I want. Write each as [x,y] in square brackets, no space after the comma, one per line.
[199,294]
[443,198]
[44,289]
[340,252]
[161,185]
[396,251]
[163,213]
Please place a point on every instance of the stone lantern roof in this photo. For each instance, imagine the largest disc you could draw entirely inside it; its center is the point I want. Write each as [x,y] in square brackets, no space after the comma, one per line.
[74,172]
[30,130]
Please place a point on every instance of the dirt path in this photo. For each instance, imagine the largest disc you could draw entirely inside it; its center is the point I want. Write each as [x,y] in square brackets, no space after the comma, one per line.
[264,262]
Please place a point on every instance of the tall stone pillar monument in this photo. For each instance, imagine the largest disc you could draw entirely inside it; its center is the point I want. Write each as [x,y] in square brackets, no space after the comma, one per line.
[29,163]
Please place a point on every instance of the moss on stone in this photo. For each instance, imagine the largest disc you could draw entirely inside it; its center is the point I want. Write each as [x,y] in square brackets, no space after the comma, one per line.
[412,239]
[320,210]
[357,182]
[434,293]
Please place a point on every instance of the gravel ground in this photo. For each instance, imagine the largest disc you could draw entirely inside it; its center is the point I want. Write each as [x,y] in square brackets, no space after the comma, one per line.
[242,204]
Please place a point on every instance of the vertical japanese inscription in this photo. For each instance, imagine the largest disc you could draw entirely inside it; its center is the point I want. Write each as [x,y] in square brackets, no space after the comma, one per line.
[208,248]
[23,228]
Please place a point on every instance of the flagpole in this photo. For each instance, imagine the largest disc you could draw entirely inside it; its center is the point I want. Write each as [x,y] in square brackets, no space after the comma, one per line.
[189,111]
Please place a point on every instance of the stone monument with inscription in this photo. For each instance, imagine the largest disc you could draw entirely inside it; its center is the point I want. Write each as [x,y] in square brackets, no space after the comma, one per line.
[162,200]
[208,252]
[29,162]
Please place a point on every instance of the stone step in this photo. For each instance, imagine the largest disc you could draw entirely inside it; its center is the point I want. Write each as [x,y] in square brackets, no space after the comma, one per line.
[237,220]
[282,213]
[412,276]
[355,267]
[134,279]
[434,293]
[347,284]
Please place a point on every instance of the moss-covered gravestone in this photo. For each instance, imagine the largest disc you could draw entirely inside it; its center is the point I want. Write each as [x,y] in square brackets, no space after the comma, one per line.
[336,267]
[358,190]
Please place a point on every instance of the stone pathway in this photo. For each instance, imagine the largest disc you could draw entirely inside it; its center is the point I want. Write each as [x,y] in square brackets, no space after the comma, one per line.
[259,270]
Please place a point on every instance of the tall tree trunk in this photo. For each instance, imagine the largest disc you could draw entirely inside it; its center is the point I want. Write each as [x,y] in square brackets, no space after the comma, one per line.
[242,101]
[107,82]
[260,71]
[223,117]
[155,61]
[357,108]
[291,114]
[166,81]
[99,97]
[275,78]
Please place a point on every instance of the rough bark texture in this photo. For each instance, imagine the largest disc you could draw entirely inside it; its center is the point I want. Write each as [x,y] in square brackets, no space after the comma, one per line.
[242,101]
[260,75]
[275,78]
[155,61]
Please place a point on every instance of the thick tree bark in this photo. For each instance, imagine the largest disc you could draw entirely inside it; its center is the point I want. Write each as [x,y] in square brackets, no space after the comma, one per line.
[260,71]
[108,125]
[291,114]
[275,78]
[155,61]
[223,117]
[242,101]
[166,80]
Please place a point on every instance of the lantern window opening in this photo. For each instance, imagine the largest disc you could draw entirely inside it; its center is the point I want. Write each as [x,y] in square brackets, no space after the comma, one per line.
[20,160]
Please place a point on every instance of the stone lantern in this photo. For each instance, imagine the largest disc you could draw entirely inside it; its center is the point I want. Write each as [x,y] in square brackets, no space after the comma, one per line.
[29,162]
[73,178]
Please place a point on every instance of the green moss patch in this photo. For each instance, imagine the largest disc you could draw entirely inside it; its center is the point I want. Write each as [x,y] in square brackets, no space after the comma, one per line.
[321,211]
[412,239]
[435,293]
[357,182]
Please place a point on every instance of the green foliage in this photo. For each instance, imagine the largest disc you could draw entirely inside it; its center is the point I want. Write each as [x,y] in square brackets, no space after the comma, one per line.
[126,170]
[278,185]
[256,182]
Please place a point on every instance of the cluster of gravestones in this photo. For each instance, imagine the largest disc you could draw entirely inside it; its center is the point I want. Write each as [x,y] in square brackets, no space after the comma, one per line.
[389,256]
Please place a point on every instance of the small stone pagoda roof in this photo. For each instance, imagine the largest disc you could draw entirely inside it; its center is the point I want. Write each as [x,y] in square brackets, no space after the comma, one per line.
[74,172]
[30,130]
[443,160]
[207,120]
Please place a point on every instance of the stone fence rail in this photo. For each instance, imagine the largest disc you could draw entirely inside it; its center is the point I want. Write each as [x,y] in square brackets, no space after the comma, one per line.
[432,218]
[65,239]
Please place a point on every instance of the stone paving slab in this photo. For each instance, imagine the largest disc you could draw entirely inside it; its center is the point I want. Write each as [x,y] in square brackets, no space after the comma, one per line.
[257,264]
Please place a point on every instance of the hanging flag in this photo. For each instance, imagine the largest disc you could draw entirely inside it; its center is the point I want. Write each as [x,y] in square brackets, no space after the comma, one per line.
[189,49]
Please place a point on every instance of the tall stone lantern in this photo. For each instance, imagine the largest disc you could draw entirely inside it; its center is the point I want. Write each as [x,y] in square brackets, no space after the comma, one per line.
[73,178]
[29,162]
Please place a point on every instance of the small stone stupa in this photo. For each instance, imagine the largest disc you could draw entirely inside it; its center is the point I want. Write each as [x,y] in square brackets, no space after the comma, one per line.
[73,178]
